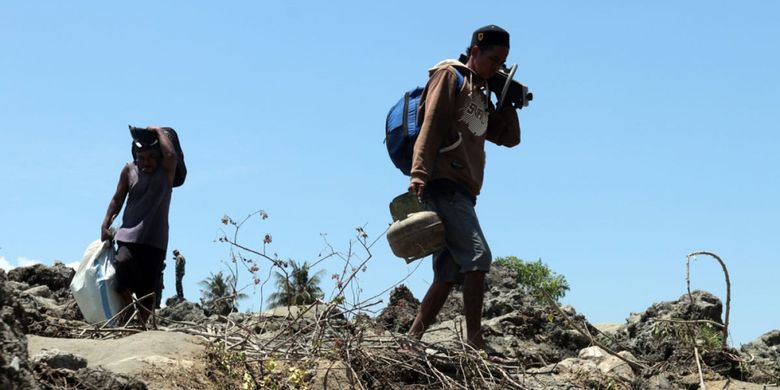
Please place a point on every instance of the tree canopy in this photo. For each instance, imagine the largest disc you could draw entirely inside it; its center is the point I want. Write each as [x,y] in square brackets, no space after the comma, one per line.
[535,276]
[296,287]
[218,292]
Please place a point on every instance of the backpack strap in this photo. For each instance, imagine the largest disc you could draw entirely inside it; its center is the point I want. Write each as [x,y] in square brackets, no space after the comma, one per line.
[459,77]
[460,82]
[453,146]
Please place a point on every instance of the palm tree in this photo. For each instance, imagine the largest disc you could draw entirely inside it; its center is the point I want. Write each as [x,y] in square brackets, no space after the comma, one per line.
[297,287]
[219,293]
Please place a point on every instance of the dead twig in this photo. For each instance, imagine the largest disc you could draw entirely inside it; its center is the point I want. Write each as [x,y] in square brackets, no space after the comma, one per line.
[702,386]
[680,321]
[728,287]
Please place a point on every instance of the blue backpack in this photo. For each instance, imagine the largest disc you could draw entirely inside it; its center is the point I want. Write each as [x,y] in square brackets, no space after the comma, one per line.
[403,126]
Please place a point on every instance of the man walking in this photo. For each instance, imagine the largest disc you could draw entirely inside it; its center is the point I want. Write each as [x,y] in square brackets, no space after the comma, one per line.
[142,240]
[180,262]
[447,172]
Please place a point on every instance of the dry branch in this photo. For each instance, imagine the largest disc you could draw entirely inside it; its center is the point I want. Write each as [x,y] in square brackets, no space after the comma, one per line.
[728,288]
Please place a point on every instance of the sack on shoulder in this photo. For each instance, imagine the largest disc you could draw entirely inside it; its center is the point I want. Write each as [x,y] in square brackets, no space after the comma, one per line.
[147,136]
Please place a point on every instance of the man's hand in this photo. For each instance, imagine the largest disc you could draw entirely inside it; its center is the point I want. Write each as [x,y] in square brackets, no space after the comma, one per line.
[106,234]
[417,187]
[168,151]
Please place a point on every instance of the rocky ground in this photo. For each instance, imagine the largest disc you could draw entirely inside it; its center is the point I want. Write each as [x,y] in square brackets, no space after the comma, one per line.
[671,345]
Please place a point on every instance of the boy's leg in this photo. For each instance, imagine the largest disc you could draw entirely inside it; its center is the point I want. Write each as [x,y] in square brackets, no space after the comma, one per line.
[431,305]
[468,251]
[473,297]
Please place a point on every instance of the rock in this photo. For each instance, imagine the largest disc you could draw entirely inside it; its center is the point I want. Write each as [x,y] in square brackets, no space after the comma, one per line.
[660,381]
[570,338]
[56,277]
[130,355]
[610,365]
[733,384]
[91,378]
[70,309]
[163,360]
[43,316]
[183,311]
[315,311]
[656,340]
[399,314]
[217,308]
[765,348]
[535,335]
[61,360]
[20,286]
[764,355]
[502,296]
[238,317]
[402,294]
[15,368]
[174,300]
[39,291]
[44,290]
[513,322]
[609,328]
[593,368]
[47,305]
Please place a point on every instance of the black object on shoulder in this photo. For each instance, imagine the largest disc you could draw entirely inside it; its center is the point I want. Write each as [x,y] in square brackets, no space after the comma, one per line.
[517,94]
[143,138]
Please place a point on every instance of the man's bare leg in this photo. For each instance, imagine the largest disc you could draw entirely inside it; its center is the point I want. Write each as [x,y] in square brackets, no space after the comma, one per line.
[473,296]
[142,308]
[431,305]
[127,300]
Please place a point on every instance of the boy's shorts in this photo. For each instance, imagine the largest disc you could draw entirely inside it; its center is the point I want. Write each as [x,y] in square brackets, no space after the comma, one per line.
[466,250]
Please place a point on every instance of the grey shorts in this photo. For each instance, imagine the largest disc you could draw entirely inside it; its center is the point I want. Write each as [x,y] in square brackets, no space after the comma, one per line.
[466,250]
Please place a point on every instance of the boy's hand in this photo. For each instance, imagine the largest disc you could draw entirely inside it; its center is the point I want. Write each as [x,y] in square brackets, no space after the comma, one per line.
[417,187]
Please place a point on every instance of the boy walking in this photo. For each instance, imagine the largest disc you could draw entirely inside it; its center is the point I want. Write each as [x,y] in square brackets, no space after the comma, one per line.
[447,172]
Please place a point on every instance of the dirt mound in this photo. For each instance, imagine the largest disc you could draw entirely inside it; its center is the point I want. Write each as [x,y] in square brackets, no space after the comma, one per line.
[56,277]
[330,345]
[651,333]
[764,353]
[514,323]
[183,311]
[15,367]
[399,314]
[652,349]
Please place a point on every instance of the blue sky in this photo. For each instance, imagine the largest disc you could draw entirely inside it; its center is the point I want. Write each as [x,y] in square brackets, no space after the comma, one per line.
[653,133]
